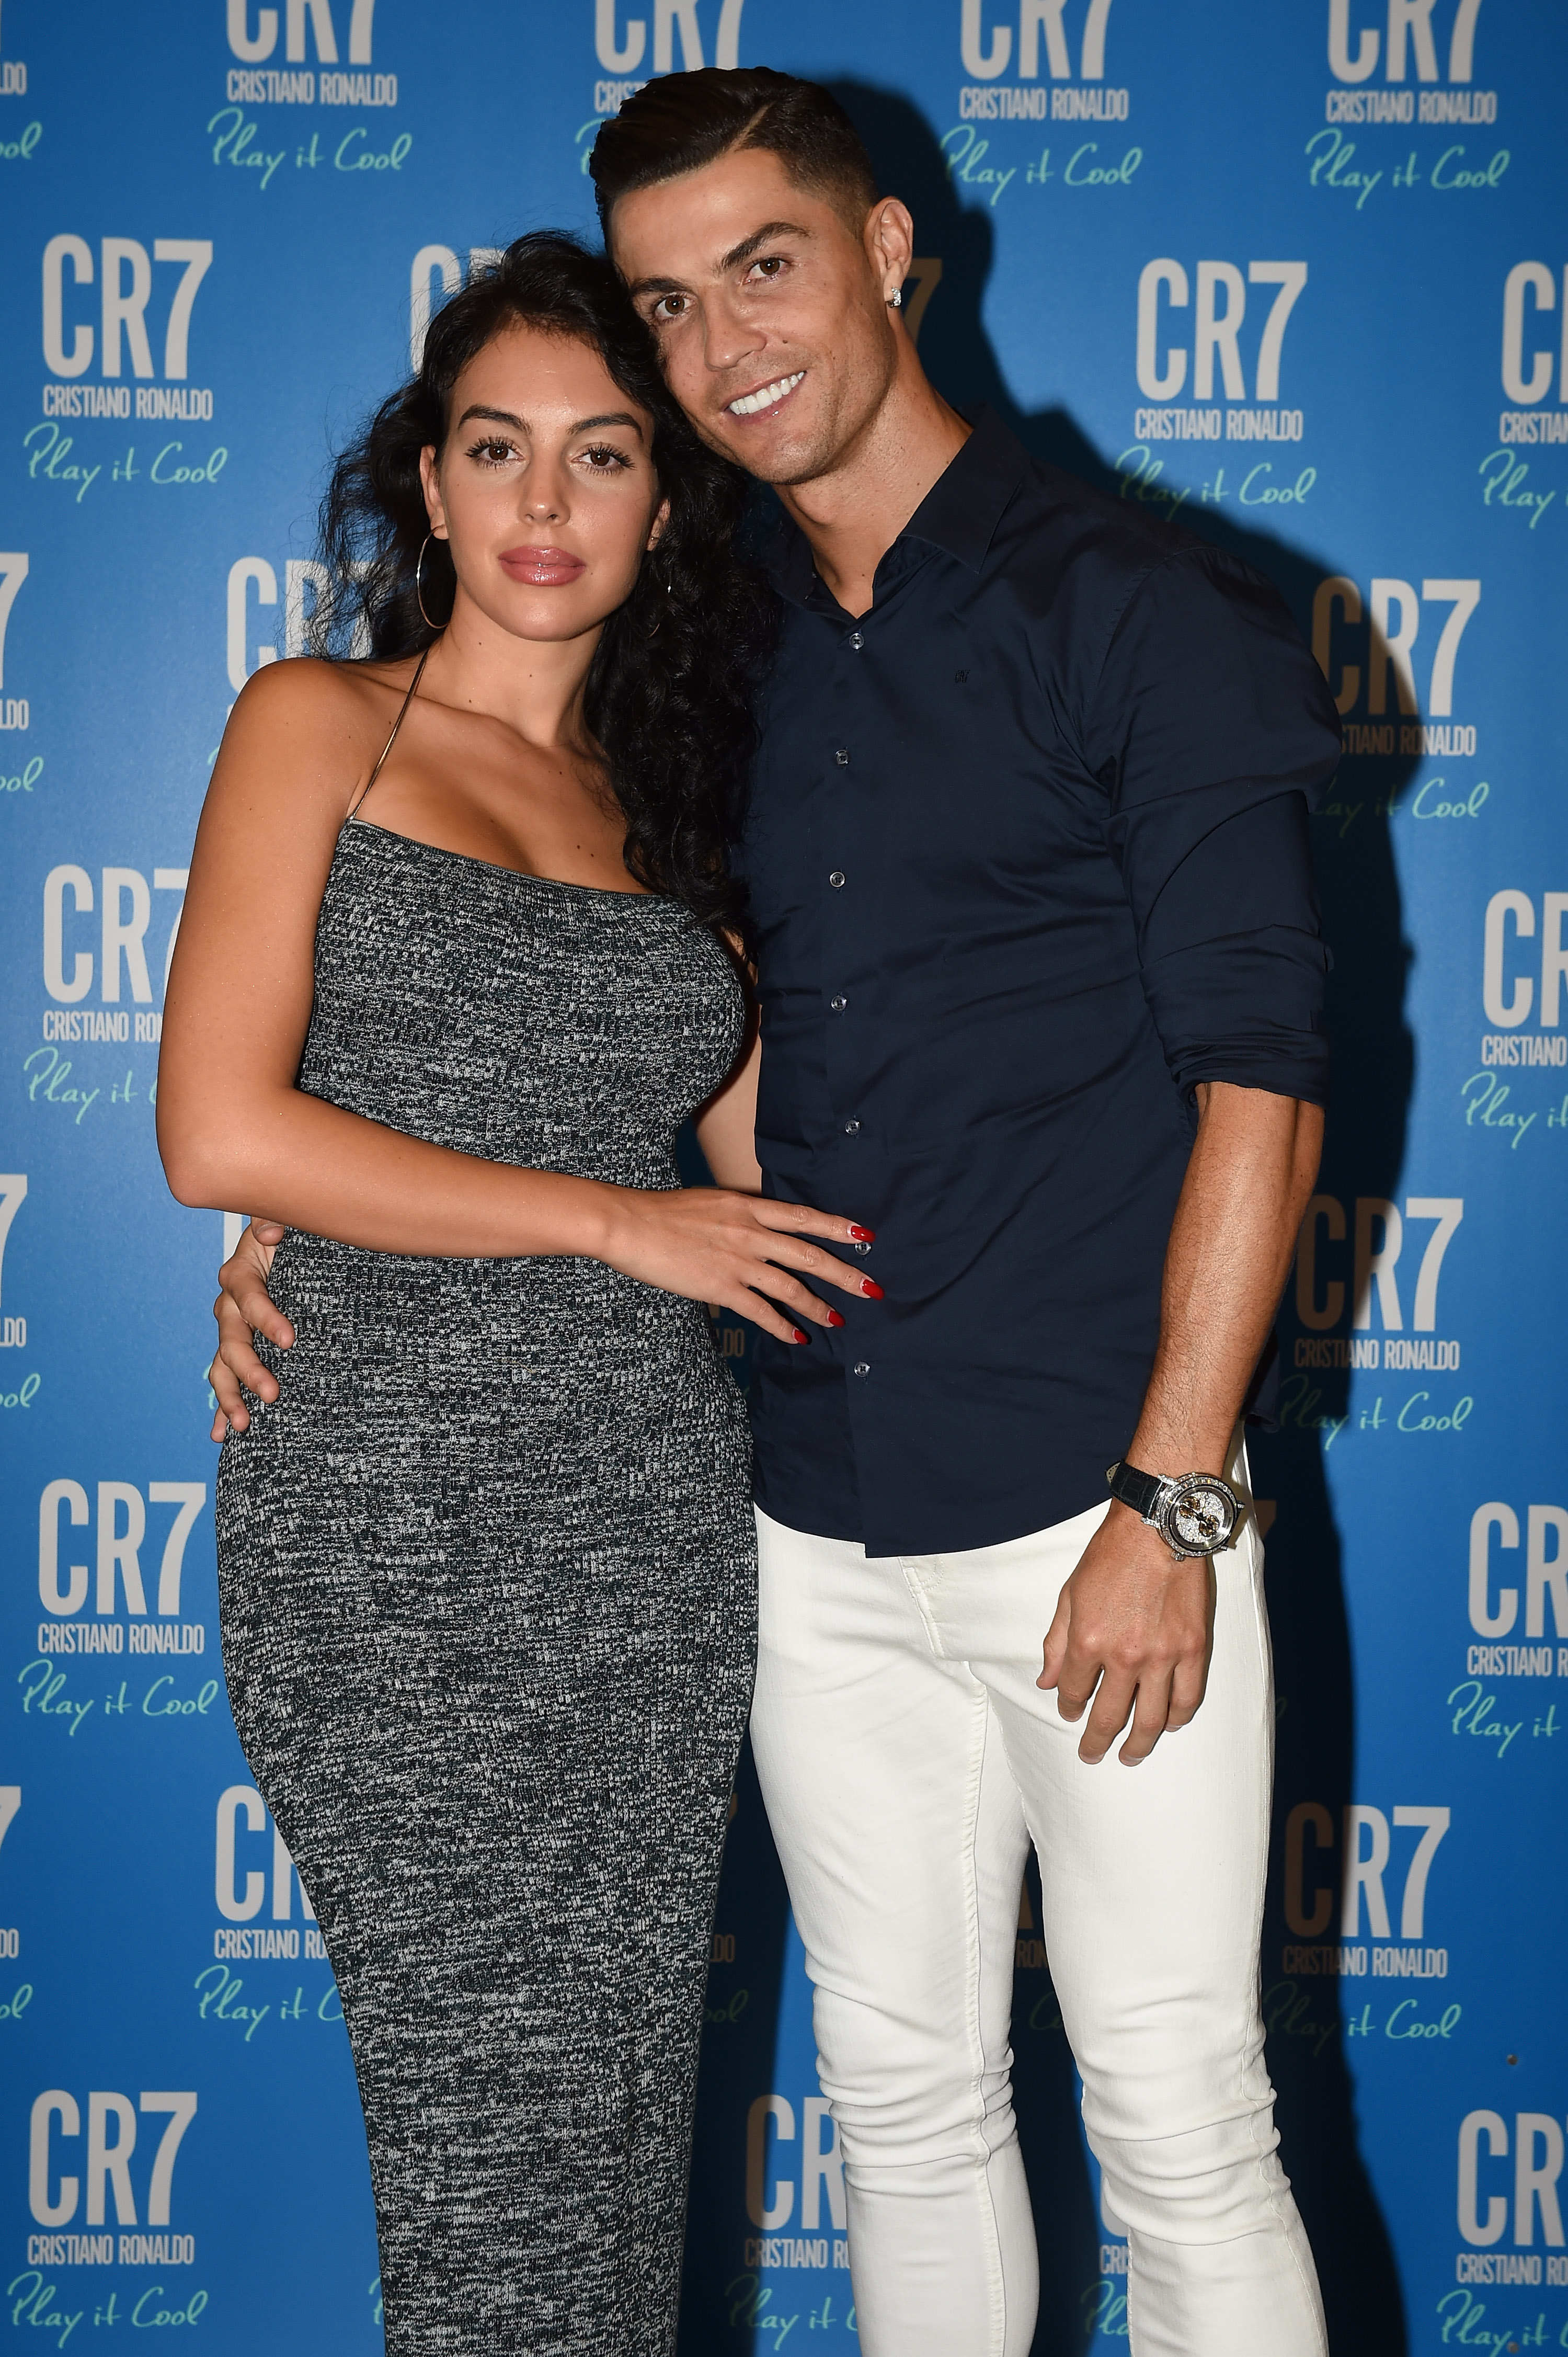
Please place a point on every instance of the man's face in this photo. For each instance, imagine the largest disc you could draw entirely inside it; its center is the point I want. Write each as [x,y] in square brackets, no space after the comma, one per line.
[771,314]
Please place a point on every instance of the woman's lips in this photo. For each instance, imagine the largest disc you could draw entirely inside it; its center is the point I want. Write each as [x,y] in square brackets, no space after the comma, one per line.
[542,568]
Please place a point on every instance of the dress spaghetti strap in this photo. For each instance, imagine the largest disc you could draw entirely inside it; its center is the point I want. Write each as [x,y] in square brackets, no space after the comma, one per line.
[392,740]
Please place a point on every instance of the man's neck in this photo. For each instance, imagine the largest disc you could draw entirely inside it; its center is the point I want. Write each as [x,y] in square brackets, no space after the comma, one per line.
[852,515]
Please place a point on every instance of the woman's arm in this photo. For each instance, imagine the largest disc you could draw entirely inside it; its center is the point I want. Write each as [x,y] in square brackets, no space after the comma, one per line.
[726,1131]
[234,1128]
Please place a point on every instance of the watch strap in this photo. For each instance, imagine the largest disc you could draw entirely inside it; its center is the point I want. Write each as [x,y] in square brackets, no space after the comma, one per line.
[1131,1488]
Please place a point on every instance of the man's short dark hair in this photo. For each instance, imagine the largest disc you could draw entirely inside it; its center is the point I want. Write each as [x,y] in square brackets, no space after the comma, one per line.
[680,122]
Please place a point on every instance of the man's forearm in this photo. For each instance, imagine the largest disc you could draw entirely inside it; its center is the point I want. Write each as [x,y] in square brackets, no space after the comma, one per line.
[1252,1171]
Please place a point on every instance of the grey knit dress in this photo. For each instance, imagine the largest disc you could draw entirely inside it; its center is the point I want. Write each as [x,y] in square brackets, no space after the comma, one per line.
[487,1594]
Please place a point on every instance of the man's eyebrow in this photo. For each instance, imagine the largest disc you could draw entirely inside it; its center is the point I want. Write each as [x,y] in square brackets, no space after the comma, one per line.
[636,286]
[727,261]
[582,426]
[759,237]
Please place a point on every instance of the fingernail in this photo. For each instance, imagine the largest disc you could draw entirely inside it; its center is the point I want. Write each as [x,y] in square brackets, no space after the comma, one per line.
[864,1235]
[870,1287]
[835,1318]
[798,1336]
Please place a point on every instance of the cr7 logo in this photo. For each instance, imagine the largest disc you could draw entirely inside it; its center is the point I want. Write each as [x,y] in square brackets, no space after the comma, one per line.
[124,310]
[1535,281]
[986,59]
[1391,632]
[1546,1574]
[433,261]
[309,591]
[255,49]
[123,938]
[1409,34]
[13,1195]
[1509,997]
[14,569]
[1538,2165]
[1365,1853]
[1379,1243]
[1217,315]
[62,1589]
[624,56]
[769,2179]
[238,1900]
[111,2141]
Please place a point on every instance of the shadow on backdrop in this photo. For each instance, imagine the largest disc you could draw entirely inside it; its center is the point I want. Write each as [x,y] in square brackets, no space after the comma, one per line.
[1373,1070]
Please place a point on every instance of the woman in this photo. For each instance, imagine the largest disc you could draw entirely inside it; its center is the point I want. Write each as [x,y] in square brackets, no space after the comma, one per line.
[486,1561]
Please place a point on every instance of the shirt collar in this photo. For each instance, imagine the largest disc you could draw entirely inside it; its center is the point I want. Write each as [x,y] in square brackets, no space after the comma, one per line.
[963,507]
[959,514]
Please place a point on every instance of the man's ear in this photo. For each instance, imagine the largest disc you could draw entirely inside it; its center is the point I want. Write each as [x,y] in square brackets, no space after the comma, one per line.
[430,485]
[889,237]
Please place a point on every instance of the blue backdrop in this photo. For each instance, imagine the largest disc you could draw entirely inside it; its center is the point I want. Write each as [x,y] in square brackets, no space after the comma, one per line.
[1298,275]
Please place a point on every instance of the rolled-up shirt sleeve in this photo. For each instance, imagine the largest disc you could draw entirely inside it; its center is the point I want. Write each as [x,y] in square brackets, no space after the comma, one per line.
[1213,734]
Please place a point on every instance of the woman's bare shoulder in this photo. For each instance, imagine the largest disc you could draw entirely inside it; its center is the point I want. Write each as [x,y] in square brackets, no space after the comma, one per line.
[307,735]
[304,690]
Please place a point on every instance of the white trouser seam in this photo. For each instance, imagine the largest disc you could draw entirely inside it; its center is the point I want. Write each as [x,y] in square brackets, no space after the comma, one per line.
[976,1967]
[1291,2241]
[1248,1551]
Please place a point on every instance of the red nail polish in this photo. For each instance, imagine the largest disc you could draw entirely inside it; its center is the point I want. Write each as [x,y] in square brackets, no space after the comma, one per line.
[864,1235]
[798,1336]
[870,1289]
[835,1318]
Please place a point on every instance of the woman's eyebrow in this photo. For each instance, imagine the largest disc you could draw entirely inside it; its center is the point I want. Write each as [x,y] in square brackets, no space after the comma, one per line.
[610,418]
[496,417]
[582,426]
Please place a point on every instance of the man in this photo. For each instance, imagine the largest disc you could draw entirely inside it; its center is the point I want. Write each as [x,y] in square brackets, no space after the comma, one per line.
[1040,986]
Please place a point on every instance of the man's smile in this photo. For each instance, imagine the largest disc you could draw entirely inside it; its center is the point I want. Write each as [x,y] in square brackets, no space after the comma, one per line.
[766,396]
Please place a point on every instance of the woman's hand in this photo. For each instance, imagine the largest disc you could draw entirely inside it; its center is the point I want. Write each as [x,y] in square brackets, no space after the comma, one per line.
[243,1308]
[707,1243]
[739,1251]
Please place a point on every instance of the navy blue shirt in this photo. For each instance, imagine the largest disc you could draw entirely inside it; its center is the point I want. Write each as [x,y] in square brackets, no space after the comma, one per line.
[1028,856]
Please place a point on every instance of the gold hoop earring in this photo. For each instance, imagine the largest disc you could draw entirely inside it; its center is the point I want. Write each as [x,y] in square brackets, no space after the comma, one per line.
[418,591]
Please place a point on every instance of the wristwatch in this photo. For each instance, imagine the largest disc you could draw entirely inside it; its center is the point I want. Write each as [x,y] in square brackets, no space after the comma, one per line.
[1194,1513]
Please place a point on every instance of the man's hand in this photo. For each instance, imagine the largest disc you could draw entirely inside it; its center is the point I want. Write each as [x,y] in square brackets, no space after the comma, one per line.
[245,1308]
[1137,1625]
[1131,1620]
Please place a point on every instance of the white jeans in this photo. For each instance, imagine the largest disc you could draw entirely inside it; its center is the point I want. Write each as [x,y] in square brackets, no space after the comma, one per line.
[907,1759]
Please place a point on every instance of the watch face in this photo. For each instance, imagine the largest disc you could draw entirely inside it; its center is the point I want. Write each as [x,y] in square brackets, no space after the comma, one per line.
[1202,1516]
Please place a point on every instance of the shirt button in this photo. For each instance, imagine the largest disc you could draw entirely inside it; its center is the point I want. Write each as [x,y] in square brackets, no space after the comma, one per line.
[862,1367]
[838,1004]
[851,1129]
[856,641]
[836,879]
[842,757]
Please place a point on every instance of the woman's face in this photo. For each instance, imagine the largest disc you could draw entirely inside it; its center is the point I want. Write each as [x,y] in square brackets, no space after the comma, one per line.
[545,488]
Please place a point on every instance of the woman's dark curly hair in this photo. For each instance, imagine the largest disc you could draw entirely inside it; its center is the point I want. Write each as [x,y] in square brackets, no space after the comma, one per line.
[668,692]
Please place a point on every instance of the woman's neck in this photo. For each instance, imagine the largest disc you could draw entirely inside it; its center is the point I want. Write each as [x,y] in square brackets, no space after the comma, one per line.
[534,685]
